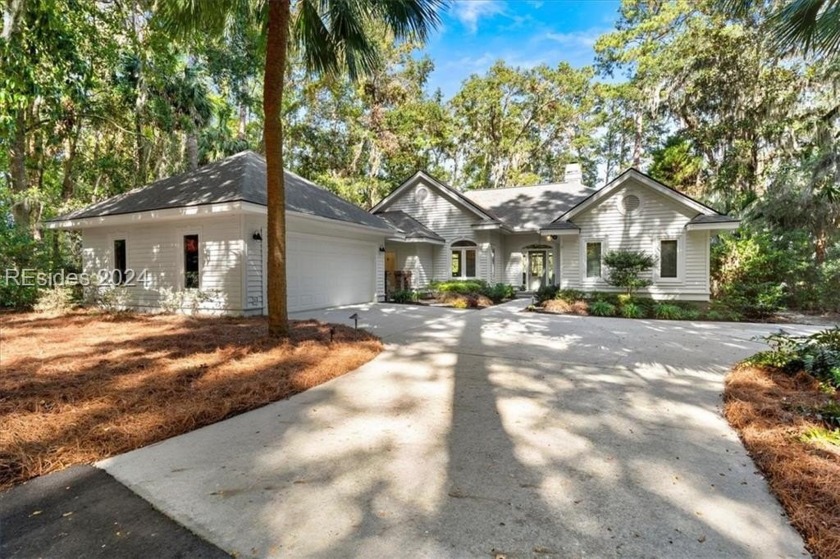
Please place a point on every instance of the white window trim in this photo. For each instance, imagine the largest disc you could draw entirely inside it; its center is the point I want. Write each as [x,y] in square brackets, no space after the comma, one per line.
[596,281]
[463,250]
[181,283]
[657,251]
[112,255]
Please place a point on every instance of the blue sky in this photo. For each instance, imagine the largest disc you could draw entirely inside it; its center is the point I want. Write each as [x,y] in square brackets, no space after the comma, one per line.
[526,33]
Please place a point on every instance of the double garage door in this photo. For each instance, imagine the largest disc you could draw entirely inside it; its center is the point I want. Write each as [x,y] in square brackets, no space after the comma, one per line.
[328,271]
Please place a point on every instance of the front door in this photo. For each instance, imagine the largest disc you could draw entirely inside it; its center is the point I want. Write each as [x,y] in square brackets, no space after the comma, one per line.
[536,269]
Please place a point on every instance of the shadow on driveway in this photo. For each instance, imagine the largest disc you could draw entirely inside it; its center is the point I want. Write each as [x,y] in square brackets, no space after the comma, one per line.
[483,433]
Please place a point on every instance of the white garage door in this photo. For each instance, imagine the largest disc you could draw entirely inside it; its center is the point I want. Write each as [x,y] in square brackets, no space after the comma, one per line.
[327,272]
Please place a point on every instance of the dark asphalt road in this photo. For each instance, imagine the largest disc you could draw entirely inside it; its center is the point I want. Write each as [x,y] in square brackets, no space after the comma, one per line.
[84,512]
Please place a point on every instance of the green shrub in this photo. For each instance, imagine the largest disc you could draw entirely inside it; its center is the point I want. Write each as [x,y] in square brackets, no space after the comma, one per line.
[18,251]
[750,272]
[632,310]
[404,296]
[626,267]
[463,287]
[830,414]
[691,314]
[570,295]
[460,303]
[501,292]
[625,298]
[667,311]
[57,299]
[546,293]
[611,298]
[602,308]
[818,354]
[755,300]
[474,288]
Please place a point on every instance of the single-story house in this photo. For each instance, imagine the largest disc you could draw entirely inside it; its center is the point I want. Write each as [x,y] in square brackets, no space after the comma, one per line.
[202,232]
[195,240]
[550,234]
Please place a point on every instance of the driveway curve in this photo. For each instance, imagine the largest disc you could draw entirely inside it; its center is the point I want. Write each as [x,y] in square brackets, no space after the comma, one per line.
[493,433]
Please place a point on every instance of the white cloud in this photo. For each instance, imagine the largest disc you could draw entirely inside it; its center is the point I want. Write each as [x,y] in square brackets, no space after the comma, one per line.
[576,38]
[469,12]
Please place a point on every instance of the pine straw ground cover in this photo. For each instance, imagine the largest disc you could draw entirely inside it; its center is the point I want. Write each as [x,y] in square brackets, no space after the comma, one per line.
[81,387]
[772,411]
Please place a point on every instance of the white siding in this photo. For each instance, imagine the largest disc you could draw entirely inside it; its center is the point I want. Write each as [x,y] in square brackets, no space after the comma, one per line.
[255,259]
[380,275]
[417,258]
[569,261]
[515,255]
[156,252]
[448,220]
[657,218]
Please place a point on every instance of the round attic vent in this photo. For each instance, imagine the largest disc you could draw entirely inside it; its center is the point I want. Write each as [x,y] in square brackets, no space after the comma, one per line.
[630,203]
[421,194]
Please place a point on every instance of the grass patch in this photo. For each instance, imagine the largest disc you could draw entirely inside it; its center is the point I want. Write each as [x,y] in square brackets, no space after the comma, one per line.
[84,386]
[780,418]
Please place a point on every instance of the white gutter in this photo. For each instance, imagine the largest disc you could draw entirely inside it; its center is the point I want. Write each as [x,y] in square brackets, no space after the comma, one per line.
[720,226]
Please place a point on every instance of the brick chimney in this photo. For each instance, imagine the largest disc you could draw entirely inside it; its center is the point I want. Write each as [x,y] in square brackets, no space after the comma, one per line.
[573,173]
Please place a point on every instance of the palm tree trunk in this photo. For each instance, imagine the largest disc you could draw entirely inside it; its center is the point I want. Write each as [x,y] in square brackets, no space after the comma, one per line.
[191,147]
[275,69]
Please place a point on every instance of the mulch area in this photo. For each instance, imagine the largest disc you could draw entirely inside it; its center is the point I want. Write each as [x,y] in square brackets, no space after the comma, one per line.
[771,410]
[83,386]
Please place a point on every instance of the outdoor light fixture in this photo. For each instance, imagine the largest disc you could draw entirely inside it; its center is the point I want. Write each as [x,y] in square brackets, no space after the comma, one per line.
[381,249]
[355,318]
[257,236]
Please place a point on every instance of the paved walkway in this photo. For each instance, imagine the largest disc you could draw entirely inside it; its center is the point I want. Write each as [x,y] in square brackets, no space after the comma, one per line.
[84,512]
[483,433]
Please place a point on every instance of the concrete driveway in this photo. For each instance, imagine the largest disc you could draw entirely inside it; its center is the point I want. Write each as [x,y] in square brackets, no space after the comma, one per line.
[484,434]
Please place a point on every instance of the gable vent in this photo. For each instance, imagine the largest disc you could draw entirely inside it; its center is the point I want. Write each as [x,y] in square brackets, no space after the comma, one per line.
[630,203]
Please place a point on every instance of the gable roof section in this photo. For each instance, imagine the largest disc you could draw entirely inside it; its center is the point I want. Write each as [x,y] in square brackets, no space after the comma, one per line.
[410,227]
[530,207]
[238,178]
[599,195]
[453,195]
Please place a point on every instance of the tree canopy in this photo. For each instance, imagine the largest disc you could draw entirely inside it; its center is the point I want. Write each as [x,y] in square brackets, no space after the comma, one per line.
[713,97]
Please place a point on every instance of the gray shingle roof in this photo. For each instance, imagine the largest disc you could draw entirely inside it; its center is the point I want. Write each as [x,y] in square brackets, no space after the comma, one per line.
[238,178]
[530,207]
[410,227]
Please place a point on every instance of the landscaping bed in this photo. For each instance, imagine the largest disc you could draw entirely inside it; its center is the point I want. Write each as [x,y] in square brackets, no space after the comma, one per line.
[459,294]
[554,300]
[83,386]
[785,405]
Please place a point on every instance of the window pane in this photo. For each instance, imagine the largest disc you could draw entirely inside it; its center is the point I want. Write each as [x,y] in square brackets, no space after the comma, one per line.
[470,254]
[456,263]
[120,264]
[668,259]
[191,261]
[593,260]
